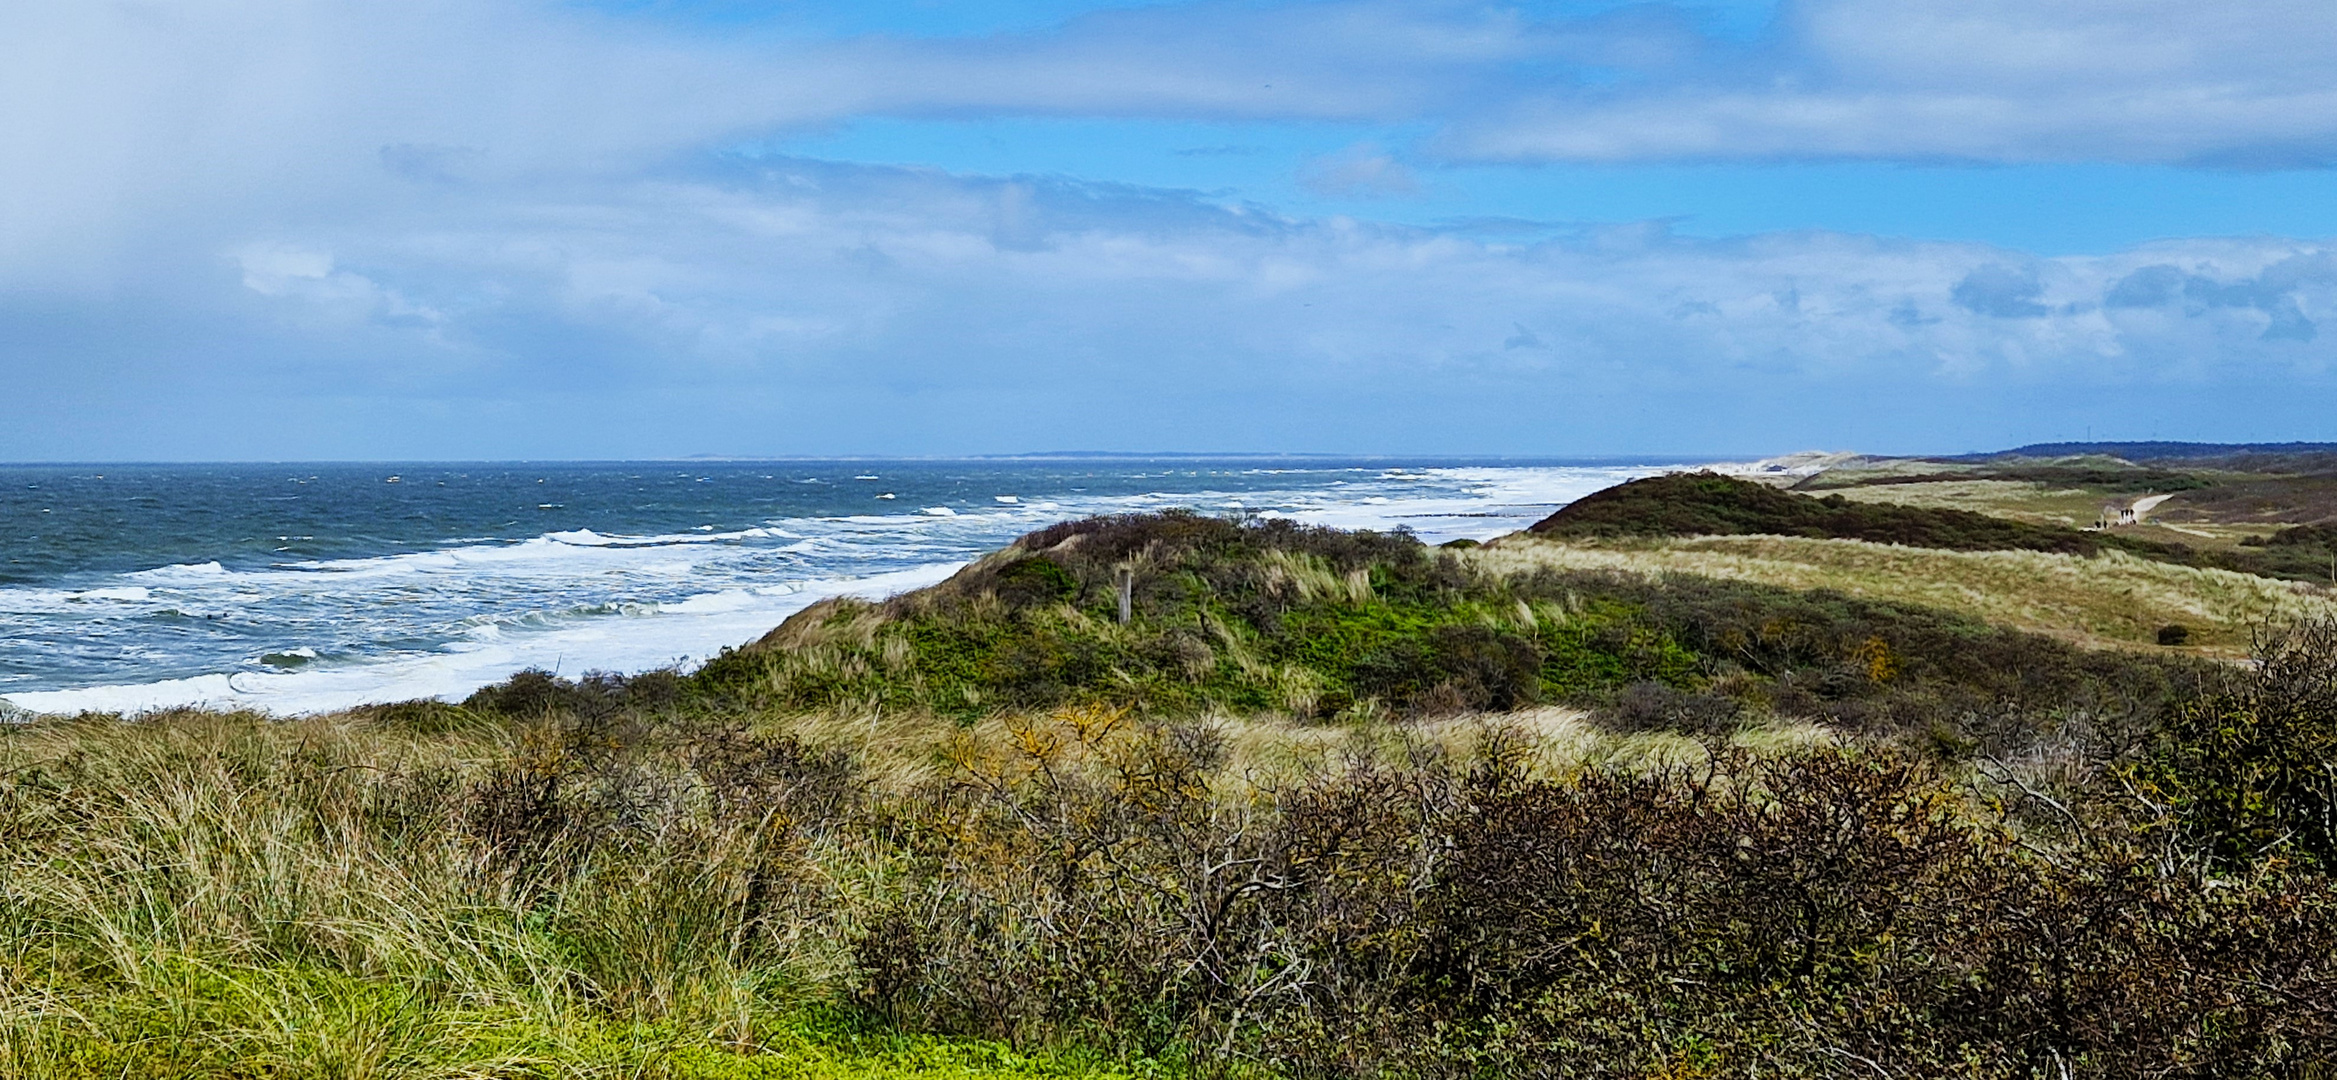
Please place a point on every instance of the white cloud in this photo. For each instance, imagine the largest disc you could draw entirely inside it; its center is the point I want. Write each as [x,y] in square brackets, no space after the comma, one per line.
[2139,81]
[515,219]
[795,306]
[125,126]
[276,270]
[873,276]
[1362,171]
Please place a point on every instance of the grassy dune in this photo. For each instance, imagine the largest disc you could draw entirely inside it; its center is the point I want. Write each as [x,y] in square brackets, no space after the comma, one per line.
[209,895]
[2107,600]
[1326,804]
[2020,500]
[2046,504]
[428,891]
[439,891]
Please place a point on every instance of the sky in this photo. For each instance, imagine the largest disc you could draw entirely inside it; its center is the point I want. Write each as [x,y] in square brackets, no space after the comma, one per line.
[496,229]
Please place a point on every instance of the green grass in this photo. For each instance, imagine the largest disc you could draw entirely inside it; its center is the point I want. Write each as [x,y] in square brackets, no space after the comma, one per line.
[2100,476]
[1707,504]
[1263,619]
[199,895]
[1263,828]
[1229,618]
[203,1021]
[987,830]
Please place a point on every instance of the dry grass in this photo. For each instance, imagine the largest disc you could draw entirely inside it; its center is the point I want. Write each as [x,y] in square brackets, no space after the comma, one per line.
[231,895]
[2020,500]
[2110,600]
[900,752]
[2190,517]
[213,895]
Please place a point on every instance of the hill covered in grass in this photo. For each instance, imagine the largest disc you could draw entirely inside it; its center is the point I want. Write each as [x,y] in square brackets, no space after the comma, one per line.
[991,829]
[1709,504]
[2106,478]
[2107,601]
[1243,618]
[2163,451]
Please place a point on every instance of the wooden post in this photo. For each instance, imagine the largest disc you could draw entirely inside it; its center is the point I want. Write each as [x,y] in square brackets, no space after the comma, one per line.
[1127,594]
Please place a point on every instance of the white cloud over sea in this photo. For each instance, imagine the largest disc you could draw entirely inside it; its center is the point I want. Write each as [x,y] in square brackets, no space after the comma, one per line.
[297,228]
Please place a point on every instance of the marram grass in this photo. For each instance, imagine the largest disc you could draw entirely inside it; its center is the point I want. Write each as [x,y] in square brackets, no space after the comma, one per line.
[2108,600]
[203,895]
[197,894]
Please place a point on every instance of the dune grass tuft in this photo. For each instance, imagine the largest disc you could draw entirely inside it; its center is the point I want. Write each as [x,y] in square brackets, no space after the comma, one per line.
[193,895]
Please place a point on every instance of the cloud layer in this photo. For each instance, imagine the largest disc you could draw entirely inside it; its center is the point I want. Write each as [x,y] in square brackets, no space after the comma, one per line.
[494,228]
[794,306]
[2138,81]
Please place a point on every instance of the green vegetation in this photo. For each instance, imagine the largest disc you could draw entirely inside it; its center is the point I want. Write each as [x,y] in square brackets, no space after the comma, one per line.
[2249,768]
[2219,494]
[1708,504]
[2096,476]
[1238,618]
[1230,617]
[1320,807]
[2309,537]
[425,891]
[2308,552]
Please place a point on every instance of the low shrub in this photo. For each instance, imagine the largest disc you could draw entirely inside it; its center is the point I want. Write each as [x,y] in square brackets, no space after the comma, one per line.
[2247,770]
[605,883]
[1790,915]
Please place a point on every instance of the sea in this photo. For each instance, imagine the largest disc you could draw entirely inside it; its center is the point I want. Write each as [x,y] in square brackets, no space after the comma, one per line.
[296,589]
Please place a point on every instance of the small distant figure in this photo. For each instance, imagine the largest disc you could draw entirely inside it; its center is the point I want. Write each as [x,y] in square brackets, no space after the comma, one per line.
[2174,634]
[2116,514]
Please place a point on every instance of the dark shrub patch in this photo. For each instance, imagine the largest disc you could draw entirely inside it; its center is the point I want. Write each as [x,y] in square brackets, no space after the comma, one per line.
[1740,916]
[1709,504]
[422,717]
[2248,770]
[1656,707]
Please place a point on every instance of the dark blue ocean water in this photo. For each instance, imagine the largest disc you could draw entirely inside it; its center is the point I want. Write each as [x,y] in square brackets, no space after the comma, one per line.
[301,587]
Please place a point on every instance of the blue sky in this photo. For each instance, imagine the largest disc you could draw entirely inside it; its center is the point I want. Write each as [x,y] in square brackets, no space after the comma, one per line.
[277,229]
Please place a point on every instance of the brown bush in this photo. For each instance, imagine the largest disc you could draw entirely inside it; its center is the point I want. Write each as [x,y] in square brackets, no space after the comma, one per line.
[1829,912]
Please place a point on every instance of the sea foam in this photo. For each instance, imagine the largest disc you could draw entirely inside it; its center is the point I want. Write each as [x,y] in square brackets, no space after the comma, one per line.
[682,634]
[304,635]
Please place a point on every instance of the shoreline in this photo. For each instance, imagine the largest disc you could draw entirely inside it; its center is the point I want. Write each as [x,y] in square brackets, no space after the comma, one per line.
[449,674]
